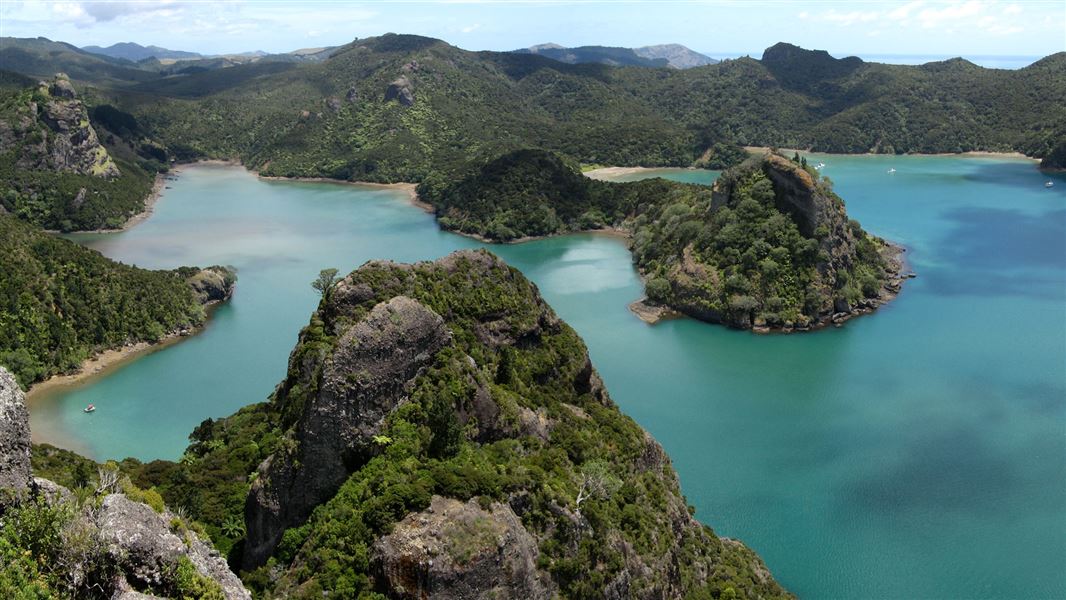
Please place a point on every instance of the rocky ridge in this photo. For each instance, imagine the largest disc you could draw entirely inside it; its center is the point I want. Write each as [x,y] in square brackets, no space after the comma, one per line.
[137,547]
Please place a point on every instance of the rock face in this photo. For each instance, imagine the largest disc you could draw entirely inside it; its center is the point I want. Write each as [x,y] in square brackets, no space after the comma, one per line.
[15,476]
[140,542]
[53,133]
[401,91]
[365,378]
[460,551]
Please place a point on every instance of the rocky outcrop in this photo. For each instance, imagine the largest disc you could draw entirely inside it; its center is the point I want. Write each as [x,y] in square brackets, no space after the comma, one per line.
[365,378]
[15,477]
[53,133]
[138,543]
[213,284]
[141,544]
[464,349]
[455,551]
[402,91]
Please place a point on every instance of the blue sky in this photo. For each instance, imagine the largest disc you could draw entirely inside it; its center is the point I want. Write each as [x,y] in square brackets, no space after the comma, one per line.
[865,28]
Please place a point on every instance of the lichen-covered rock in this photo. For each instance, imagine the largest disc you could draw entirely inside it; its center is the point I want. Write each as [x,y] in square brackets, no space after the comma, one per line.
[141,543]
[457,551]
[364,379]
[15,476]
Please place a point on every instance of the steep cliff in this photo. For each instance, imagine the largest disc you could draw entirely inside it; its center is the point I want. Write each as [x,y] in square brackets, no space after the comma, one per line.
[445,435]
[52,132]
[95,542]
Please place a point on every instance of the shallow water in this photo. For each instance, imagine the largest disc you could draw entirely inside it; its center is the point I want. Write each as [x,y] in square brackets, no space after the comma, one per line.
[917,452]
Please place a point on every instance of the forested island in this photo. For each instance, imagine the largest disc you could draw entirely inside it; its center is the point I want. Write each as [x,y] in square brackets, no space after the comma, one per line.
[769,247]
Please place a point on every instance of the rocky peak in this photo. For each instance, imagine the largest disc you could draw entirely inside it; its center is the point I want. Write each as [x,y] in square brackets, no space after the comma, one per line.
[364,379]
[54,133]
[464,349]
[62,88]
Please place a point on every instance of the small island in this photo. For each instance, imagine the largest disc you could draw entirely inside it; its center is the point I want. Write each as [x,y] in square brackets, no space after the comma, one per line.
[769,248]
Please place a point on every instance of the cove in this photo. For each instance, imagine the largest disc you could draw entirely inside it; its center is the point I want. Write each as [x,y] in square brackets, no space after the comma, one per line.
[917,452]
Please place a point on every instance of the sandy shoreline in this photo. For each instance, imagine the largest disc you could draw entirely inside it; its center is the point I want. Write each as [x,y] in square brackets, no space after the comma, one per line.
[100,364]
[411,189]
[608,173]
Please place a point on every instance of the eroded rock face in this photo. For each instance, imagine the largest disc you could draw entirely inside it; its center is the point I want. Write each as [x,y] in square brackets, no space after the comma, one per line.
[365,378]
[15,475]
[140,542]
[55,134]
[456,550]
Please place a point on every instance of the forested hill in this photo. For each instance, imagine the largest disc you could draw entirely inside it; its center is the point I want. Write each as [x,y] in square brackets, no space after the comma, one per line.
[61,303]
[398,106]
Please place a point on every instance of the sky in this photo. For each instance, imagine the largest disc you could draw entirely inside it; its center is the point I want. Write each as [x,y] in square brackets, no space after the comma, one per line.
[930,28]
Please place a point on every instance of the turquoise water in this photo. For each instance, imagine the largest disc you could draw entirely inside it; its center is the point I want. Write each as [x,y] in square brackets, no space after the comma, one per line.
[917,452]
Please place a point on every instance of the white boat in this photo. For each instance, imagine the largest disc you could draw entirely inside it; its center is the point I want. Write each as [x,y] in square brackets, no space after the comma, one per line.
[821,165]
[90,408]
[1049,184]
[891,171]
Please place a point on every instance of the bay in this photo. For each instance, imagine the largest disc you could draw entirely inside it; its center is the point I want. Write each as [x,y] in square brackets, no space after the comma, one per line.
[917,452]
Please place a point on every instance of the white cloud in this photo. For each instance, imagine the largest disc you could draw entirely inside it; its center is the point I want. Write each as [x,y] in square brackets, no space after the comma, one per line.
[471,28]
[852,17]
[932,16]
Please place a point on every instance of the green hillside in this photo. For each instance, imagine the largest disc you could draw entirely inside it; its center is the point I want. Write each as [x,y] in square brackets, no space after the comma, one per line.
[61,303]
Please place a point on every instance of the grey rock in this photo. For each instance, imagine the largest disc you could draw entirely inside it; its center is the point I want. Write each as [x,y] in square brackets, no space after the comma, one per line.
[401,91]
[65,140]
[139,540]
[15,475]
[363,381]
[455,550]
[62,88]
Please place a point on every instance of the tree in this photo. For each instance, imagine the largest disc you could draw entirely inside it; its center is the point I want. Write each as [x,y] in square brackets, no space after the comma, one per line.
[597,481]
[327,278]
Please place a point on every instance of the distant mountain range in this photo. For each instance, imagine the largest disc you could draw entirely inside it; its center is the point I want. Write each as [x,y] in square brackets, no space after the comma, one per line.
[664,55]
[136,52]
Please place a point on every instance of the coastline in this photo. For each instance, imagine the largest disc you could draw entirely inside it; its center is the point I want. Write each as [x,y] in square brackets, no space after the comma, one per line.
[607,173]
[971,153]
[409,188]
[102,364]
